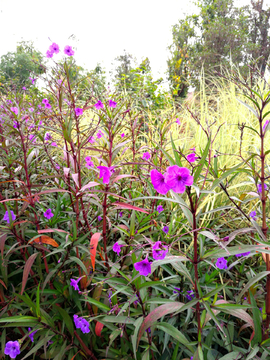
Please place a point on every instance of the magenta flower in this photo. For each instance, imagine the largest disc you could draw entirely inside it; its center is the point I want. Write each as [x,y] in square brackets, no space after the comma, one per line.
[31,109]
[88,158]
[158,252]
[78,111]
[192,157]
[122,135]
[178,121]
[49,54]
[243,254]
[47,105]
[33,80]
[74,283]
[47,136]
[100,134]
[44,101]
[32,138]
[32,334]
[221,263]
[117,248]
[112,103]
[158,181]
[53,144]
[144,267]
[265,125]
[12,349]
[89,164]
[260,187]
[24,88]
[99,105]
[6,217]
[105,173]
[68,50]
[253,215]
[99,218]
[16,124]
[159,209]
[120,214]
[91,140]
[177,178]
[166,229]
[146,155]
[54,48]
[15,110]
[48,214]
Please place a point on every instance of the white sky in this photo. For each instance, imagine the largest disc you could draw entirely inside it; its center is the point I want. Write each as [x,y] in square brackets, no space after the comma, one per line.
[103,28]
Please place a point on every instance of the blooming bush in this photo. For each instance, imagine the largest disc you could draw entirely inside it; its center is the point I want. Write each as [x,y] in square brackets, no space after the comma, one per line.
[110,247]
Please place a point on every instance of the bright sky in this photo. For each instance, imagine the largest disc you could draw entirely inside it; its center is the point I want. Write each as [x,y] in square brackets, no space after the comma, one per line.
[103,28]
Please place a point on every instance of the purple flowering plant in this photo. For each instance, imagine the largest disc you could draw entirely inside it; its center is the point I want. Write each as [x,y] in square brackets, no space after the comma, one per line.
[207,200]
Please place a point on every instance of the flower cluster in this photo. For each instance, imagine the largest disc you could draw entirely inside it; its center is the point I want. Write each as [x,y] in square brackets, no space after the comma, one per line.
[176,178]
[89,163]
[81,323]
[54,49]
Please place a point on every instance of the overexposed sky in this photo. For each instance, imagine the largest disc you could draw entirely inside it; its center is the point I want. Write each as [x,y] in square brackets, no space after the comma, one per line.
[102,28]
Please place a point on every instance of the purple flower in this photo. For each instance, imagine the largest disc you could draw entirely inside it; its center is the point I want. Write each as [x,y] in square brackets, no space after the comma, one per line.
[68,50]
[85,326]
[12,349]
[54,48]
[99,105]
[40,123]
[6,217]
[100,134]
[45,101]
[49,54]
[33,80]
[265,125]
[146,155]
[53,144]
[190,295]
[192,157]
[259,186]
[144,267]
[47,136]
[74,283]
[122,135]
[177,178]
[24,88]
[31,109]
[47,105]
[78,111]
[243,254]
[15,110]
[120,214]
[158,252]
[89,164]
[91,140]
[221,263]
[81,323]
[105,173]
[158,181]
[88,158]
[16,124]
[112,104]
[178,121]
[32,137]
[176,290]
[99,218]
[32,334]
[117,248]
[253,215]
[48,214]
[166,229]
[159,209]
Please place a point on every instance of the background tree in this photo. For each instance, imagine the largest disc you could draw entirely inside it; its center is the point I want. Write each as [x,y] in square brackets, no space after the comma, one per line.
[17,67]
[219,35]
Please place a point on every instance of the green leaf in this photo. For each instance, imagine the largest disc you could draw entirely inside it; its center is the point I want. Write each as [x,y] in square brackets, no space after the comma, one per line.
[251,282]
[257,321]
[175,333]
[17,319]
[202,161]
[248,107]
[98,304]
[217,181]
[67,319]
